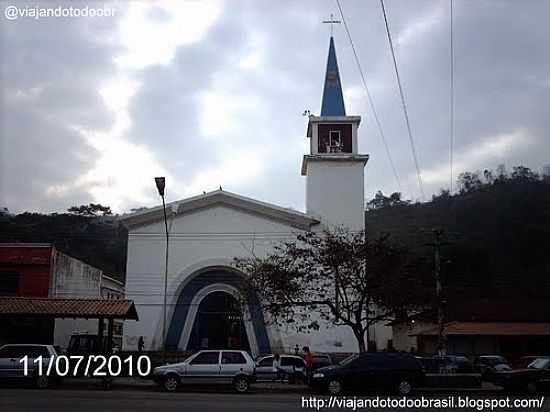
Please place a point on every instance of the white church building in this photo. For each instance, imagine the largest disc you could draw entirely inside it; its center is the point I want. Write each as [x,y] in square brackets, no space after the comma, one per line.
[207,231]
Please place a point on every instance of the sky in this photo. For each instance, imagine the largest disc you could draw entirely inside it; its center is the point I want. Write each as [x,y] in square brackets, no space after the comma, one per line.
[211,93]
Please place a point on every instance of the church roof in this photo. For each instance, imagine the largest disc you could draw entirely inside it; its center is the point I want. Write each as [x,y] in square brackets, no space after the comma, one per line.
[333,99]
[287,216]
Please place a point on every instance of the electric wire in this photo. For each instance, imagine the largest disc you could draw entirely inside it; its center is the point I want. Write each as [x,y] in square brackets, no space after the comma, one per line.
[403,103]
[452,103]
[369,96]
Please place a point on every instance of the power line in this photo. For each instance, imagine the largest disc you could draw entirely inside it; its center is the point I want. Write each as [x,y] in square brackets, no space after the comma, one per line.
[411,140]
[452,102]
[371,102]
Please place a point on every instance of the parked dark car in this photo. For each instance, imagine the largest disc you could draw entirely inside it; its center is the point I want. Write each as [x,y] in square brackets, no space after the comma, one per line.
[321,361]
[524,361]
[460,364]
[447,364]
[87,345]
[534,378]
[488,365]
[395,372]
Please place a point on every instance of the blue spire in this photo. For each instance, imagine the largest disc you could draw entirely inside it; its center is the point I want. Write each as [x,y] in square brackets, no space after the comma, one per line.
[333,100]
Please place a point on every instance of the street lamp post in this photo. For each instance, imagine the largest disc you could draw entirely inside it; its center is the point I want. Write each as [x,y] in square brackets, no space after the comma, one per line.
[161,183]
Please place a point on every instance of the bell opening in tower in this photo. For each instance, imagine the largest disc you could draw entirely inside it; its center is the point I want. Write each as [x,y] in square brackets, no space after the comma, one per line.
[335,138]
[335,143]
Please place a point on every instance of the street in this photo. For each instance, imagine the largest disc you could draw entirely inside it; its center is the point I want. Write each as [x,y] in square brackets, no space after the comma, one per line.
[58,400]
[132,401]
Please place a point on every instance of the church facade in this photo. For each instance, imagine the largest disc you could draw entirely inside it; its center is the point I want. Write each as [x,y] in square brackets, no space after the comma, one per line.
[207,231]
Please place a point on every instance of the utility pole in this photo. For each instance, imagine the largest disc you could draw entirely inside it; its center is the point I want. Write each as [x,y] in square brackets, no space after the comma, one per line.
[441,341]
[160,183]
[441,303]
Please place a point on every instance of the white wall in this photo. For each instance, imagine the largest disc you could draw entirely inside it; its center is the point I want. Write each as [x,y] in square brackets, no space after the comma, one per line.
[335,192]
[72,279]
[111,288]
[208,237]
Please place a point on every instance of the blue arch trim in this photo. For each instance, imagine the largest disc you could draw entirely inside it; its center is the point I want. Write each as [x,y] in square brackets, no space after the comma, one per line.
[188,292]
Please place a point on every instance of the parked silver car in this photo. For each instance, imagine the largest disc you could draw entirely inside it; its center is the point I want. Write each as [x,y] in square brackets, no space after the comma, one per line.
[294,367]
[209,366]
[12,367]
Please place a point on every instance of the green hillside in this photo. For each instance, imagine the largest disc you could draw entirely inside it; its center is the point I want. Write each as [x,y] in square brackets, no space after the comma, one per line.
[97,240]
[497,227]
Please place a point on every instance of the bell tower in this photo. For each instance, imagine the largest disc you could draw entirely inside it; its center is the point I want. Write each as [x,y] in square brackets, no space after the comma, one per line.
[334,169]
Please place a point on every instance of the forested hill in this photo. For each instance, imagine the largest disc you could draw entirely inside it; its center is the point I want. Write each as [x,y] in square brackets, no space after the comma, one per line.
[497,228]
[99,241]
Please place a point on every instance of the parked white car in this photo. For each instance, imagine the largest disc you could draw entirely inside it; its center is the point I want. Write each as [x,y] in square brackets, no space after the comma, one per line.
[13,368]
[231,367]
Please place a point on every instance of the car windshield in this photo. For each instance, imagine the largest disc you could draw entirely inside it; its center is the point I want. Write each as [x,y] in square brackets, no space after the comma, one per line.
[497,360]
[349,359]
[539,363]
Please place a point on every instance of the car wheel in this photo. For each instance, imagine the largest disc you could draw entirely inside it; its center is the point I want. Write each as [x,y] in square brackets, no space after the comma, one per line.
[241,384]
[334,387]
[170,383]
[404,387]
[41,382]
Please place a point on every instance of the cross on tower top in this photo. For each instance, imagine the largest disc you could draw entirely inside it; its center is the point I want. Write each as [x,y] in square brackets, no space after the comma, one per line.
[331,21]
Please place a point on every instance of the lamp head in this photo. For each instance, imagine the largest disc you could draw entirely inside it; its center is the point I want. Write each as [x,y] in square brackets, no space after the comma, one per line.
[160,182]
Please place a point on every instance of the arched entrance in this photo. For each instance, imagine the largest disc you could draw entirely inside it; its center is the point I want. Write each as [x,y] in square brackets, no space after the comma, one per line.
[195,290]
[218,324]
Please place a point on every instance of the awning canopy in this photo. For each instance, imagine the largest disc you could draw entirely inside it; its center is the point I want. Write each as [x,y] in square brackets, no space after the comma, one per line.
[490,329]
[68,308]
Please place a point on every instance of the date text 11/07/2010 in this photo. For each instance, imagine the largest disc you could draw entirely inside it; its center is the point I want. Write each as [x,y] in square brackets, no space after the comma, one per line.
[93,366]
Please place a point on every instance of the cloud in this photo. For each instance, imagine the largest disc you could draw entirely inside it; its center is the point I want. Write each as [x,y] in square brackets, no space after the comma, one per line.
[211,93]
[151,31]
[488,150]
[50,74]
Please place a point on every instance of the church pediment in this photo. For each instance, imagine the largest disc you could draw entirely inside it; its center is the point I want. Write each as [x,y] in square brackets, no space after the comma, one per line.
[268,211]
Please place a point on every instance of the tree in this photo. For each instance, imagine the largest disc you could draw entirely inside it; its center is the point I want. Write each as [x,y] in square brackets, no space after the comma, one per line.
[444,194]
[502,174]
[489,177]
[469,181]
[380,201]
[524,174]
[338,277]
[93,209]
